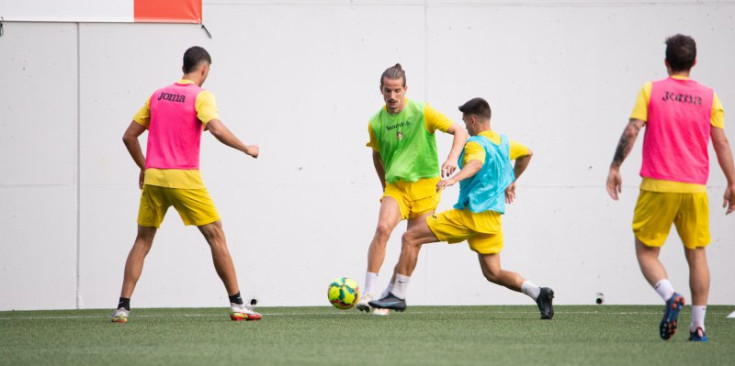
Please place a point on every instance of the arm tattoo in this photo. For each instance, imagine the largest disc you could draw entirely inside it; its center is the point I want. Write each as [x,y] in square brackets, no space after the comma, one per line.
[620,151]
[625,144]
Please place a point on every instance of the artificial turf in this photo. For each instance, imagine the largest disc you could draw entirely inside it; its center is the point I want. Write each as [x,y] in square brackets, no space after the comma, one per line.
[446,335]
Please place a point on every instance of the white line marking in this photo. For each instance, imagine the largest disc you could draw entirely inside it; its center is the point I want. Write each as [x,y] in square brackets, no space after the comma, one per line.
[320,314]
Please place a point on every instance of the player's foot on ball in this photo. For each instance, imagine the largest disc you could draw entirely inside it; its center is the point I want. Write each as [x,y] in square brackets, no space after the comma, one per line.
[671,315]
[381,312]
[363,304]
[120,316]
[243,312]
[389,302]
[545,303]
[698,335]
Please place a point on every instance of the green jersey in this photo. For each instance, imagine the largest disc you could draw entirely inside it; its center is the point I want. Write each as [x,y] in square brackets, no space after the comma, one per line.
[408,150]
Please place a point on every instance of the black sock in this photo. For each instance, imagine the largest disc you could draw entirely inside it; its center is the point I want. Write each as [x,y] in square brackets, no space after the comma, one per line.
[236,298]
[124,303]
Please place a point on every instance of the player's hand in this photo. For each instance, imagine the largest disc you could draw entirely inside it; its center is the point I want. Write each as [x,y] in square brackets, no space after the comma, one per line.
[614,183]
[729,201]
[253,150]
[141,178]
[510,193]
[444,183]
[448,168]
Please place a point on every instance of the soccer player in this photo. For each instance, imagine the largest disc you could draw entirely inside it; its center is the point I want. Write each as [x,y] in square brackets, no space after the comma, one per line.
[405,158]
[175,117]
[487,182]
[680,116]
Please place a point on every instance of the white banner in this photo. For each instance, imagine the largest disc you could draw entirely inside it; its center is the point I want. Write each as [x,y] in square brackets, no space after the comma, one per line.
[167,11]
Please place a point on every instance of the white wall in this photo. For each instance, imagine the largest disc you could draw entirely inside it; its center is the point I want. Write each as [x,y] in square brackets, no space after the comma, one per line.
[301,79]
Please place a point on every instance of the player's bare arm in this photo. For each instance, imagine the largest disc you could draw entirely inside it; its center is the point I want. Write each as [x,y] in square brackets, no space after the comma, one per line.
[130,138]
[225,136]
[460,137]
[379,167]
[724,158]
[520,166]
[625,145]
[467,171]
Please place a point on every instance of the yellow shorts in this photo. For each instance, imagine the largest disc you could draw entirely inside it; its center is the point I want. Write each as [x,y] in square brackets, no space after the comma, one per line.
[195,206]
[414,198]
[656,211]
[483,231]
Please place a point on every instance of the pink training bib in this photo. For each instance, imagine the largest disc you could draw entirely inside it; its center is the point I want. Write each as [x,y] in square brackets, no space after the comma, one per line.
[175,132]
[678,132]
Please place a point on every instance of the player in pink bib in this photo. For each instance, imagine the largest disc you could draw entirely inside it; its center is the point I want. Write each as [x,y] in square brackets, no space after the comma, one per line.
[175,117]
[680,116]
[173,142]
[677,131]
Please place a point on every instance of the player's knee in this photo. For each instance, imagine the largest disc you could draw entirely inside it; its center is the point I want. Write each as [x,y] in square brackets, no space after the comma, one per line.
[492,278]
[696,256]
[143,243]
[491,275]
[213,234]
[383,231]
[143,246]
[409,240]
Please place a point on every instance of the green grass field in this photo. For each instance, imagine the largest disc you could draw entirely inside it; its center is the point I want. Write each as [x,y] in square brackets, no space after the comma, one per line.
[469,335]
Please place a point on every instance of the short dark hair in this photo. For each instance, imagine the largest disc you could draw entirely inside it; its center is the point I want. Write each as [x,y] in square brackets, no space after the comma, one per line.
[193,57]
[477,106]
[681,52]
[394,72]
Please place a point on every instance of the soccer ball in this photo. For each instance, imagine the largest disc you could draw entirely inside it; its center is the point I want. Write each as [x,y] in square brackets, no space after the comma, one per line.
[343,293]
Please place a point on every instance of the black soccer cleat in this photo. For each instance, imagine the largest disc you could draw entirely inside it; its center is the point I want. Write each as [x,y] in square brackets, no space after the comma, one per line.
[544,302]
[389,302]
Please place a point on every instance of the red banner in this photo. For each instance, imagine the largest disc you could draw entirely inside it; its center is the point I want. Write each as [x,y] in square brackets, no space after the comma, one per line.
[168,11]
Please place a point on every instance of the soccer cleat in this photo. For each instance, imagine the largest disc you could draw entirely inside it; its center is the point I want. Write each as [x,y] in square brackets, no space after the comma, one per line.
[698,335]
[389,302]
[544,302]
[381,312]
[120,316]
[243,312]
[363,304]
[671,315]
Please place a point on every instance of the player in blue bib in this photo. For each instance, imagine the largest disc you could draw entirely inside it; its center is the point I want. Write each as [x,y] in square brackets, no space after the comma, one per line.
[487,181]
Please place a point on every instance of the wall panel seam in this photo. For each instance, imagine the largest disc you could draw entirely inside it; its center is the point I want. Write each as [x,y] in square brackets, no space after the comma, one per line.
[78,170]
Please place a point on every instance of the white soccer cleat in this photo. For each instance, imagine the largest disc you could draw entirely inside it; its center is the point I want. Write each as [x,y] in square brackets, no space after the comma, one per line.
[243,312]
[363,305]
[381,312]
[120,316]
